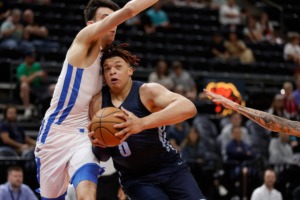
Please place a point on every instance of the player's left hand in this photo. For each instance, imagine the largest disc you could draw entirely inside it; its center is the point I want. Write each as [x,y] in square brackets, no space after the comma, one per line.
[132,125]
[94,141]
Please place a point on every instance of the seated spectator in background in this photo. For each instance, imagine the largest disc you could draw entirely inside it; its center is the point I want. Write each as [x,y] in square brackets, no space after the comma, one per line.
[236,149]
[13,136]
[230,15]
[32,79]
[193,152]
[36,34]
[42,2]
[291,50]
[12,32]
[158,17]
[280,151]
[141,22]
[218,50]
[4,10]
[253,31]
[238,50]
[226,134]
[267,190]
[216,4]
[161,75]
[177,133]
[267,28]
[289,101]
[296,93]
[14,188]
[277,106]
[184,78]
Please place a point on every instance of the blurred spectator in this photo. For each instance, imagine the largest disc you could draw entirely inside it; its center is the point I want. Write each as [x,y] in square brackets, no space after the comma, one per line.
[42,2]
[216,4]
[4,10]
[280,151]
[161,75]
[229,15]
[158,16]
[32,79]
[239,160]
[141,22]
[12,32]
[236,149]
[277,106]
[292,49]
[226,134]
[289,101]
[253,31]
[267,28]
[218,49]
[14,188]
[267,190]
[238,49]
[12,135]
[296,93]
[184,78]
[177,133]
[193,152]
[36,33]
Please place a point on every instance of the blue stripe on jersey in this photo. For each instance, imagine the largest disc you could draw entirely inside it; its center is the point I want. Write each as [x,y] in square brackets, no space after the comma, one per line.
[73,97]
[41,129]
[61,102]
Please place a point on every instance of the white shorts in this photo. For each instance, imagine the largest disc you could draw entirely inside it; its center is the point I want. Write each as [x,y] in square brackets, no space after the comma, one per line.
[65,153]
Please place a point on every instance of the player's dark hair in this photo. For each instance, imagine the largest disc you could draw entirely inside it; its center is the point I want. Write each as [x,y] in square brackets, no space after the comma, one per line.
[93,5]
[113,51]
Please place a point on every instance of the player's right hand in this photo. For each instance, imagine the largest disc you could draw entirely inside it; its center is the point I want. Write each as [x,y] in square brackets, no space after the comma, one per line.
[94,141]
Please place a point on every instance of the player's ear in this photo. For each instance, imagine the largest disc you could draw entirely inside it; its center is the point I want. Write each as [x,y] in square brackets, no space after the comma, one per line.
[130,70]
[89,22]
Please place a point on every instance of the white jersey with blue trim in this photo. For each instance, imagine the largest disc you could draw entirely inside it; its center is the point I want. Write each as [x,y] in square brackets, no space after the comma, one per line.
[72,95]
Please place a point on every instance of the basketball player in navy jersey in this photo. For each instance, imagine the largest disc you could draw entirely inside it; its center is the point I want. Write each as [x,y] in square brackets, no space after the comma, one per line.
[148,166]
[63,150]
[267,120]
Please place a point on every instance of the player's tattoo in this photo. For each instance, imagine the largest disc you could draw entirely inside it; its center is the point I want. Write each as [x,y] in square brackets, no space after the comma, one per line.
[271,122]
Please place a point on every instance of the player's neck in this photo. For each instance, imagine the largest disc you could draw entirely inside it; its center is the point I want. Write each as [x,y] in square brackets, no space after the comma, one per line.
[123,93]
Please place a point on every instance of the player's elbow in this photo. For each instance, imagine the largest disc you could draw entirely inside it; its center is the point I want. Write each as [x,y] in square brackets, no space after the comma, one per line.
[191,109]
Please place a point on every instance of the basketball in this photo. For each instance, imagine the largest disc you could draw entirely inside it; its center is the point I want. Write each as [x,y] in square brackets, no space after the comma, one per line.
[103,126]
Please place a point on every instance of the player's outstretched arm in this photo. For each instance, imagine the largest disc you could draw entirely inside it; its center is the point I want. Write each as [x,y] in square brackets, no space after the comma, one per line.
[267,120]
[94,31]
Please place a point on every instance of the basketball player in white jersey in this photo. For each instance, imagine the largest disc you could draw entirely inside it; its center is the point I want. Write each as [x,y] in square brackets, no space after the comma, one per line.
[63,151]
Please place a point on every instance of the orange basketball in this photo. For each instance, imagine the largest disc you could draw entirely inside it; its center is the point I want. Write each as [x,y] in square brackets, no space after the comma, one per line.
[103,125]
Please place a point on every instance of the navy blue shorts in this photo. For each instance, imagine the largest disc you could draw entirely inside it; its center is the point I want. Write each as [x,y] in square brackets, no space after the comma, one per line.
[178,185]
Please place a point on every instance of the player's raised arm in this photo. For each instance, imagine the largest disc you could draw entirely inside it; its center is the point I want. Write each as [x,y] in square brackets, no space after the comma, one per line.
[94,31]
[267,120]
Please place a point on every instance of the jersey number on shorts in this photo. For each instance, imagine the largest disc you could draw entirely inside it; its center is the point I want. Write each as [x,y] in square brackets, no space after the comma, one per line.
[124,149]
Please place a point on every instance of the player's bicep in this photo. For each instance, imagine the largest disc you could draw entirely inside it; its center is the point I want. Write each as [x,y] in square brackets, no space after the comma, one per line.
[95,104]
[156,97]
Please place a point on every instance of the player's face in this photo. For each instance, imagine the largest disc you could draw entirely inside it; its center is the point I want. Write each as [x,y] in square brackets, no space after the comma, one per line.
[117,72]
[101,13]
[15,178]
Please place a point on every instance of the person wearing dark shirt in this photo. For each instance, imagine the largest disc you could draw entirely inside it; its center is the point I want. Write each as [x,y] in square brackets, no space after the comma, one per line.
[149,167]
[218,50]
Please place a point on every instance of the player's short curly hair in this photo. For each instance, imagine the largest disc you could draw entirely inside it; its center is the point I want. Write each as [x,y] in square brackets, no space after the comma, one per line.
[113,51]
[93,5]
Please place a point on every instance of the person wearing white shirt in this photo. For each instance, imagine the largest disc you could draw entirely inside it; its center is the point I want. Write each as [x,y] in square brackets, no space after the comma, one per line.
[292,49]
[267,190]
[230,13]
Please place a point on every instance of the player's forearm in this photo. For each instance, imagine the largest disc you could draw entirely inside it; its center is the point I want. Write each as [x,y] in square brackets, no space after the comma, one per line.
[271,122]
[176,112]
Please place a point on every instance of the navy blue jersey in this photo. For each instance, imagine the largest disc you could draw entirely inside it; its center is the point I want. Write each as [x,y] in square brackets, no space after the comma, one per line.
[146,151]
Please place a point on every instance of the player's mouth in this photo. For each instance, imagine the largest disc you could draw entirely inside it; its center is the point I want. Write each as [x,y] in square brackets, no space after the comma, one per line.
[113,80]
